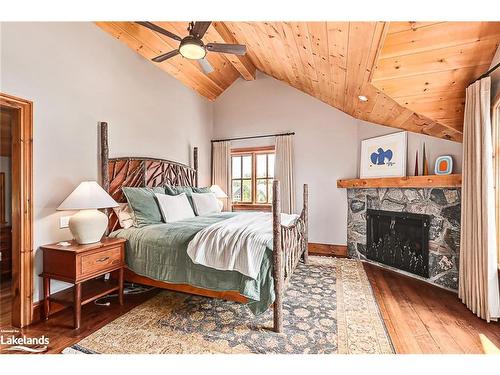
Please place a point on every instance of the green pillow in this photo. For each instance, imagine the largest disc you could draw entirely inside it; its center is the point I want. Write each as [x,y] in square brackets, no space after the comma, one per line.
[142,200]
[201,190]
[176,190]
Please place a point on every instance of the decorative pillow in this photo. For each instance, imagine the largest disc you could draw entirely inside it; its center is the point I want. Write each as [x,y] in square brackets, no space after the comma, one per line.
[125,214]
[205,203]
[143,202]
[201,190]
[176,190]
[174,207]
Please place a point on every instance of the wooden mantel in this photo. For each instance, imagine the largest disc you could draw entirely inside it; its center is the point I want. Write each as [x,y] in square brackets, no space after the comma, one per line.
[450,180]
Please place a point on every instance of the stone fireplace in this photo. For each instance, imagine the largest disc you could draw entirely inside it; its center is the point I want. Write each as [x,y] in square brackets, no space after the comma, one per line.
[433,237]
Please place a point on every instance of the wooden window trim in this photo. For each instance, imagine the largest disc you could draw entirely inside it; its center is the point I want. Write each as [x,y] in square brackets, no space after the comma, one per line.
[243,206]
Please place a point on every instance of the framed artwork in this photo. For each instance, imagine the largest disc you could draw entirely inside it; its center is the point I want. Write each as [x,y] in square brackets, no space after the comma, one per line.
[444,165]
[384,156]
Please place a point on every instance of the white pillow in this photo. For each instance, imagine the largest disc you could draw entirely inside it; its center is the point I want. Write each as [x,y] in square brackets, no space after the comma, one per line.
[205,203]
[125,214]
[174,207]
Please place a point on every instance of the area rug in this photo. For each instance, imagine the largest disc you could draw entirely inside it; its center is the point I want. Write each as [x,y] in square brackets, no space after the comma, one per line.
[329,307]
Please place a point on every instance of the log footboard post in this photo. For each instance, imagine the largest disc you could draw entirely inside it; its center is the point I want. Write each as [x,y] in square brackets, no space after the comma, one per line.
[277,260]
[306,223]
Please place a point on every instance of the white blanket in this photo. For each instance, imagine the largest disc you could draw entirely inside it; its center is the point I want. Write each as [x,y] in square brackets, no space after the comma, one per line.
[236,244]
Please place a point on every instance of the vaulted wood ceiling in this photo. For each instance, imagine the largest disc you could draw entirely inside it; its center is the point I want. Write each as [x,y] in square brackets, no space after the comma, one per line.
[414,74]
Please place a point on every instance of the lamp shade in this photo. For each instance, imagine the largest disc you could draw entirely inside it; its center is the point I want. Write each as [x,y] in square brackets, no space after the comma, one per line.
[88,195]
[219,193]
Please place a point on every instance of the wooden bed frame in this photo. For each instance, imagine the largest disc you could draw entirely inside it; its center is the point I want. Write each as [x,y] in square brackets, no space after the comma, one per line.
[289,243]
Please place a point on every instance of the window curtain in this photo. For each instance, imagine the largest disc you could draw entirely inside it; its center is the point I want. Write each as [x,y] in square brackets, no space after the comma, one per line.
[284,172]
[221,169]
[478,277]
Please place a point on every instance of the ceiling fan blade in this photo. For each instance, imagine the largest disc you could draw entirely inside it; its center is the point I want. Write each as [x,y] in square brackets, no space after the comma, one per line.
[159,29]
[200,28]
[235,49]
[166,56]
[205,66]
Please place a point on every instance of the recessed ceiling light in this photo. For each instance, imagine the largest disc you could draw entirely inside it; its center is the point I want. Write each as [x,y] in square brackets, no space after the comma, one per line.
[363,98]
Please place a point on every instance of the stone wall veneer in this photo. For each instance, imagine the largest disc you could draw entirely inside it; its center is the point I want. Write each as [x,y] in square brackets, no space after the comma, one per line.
[443,206]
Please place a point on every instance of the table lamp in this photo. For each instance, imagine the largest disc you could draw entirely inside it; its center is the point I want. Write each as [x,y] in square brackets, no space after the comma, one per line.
[219,194]
[88,224]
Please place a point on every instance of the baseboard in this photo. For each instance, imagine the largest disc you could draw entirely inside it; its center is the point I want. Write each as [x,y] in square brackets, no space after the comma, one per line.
[324,249]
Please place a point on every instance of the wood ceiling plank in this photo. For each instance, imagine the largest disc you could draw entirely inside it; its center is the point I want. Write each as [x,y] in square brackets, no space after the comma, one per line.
[397,27]
[479,52]
[437,36]
[299,69]
[364,45]
[245,34]
[303,45]
[338,37]
[438,107]
[319,44]
[276,40]
[430,83]
[242,64]
[289,55]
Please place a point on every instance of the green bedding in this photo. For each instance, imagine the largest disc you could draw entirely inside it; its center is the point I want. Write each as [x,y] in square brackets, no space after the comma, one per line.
[159,251]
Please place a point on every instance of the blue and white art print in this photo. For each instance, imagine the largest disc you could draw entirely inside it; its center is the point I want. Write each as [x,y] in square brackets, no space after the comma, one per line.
[384,156]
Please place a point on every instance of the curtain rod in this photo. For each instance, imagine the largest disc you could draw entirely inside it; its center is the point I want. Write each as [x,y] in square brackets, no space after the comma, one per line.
[251,137]
[487,73]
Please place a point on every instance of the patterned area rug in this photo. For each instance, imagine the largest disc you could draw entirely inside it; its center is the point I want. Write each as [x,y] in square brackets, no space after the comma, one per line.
[328,308]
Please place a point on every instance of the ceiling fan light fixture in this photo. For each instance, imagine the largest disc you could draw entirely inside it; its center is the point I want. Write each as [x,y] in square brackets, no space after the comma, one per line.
[192,49]
[363,98]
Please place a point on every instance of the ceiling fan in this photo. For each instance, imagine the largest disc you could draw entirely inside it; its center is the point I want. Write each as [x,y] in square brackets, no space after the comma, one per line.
[192,47]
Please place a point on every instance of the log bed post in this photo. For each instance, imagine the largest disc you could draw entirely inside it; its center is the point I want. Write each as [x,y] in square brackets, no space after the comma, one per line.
[306,223]
[104,155]
[277,260]
[195,166]
[103,136]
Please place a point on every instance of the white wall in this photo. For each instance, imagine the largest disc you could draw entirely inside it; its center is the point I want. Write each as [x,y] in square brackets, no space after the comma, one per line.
[434,147]
[77,75]
[325,143]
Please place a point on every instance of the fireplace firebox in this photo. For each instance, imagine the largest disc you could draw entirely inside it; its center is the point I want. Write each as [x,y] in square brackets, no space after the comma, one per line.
[398,239]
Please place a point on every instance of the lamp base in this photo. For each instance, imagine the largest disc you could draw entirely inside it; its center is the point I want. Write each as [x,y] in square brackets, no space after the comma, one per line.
[88,226]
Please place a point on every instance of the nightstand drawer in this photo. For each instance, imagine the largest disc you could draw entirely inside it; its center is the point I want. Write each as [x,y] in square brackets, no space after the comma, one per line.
[102,260]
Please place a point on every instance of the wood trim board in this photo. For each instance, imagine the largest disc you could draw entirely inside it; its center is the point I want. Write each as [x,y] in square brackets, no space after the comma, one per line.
[323,249]
[450,180]
[22,208]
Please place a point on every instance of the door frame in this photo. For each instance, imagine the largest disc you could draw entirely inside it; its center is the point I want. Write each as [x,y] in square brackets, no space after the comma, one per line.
[22,210]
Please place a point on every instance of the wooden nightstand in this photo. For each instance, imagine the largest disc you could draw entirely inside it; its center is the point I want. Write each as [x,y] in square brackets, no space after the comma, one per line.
[82,265]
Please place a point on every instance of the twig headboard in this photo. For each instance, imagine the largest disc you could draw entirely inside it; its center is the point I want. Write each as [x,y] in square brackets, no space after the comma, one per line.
[140,171]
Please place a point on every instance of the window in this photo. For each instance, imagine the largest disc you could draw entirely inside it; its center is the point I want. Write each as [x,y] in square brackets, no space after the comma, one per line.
[252,173]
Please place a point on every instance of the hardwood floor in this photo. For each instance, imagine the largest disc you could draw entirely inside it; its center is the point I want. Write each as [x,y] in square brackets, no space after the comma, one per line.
[422,318]
[59,328]
[5,303]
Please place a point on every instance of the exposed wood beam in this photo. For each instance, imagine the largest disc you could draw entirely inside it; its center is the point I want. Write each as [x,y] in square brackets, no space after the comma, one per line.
[242,64]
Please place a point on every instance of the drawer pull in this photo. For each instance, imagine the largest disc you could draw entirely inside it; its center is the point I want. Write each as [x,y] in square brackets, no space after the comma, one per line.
[102,259]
